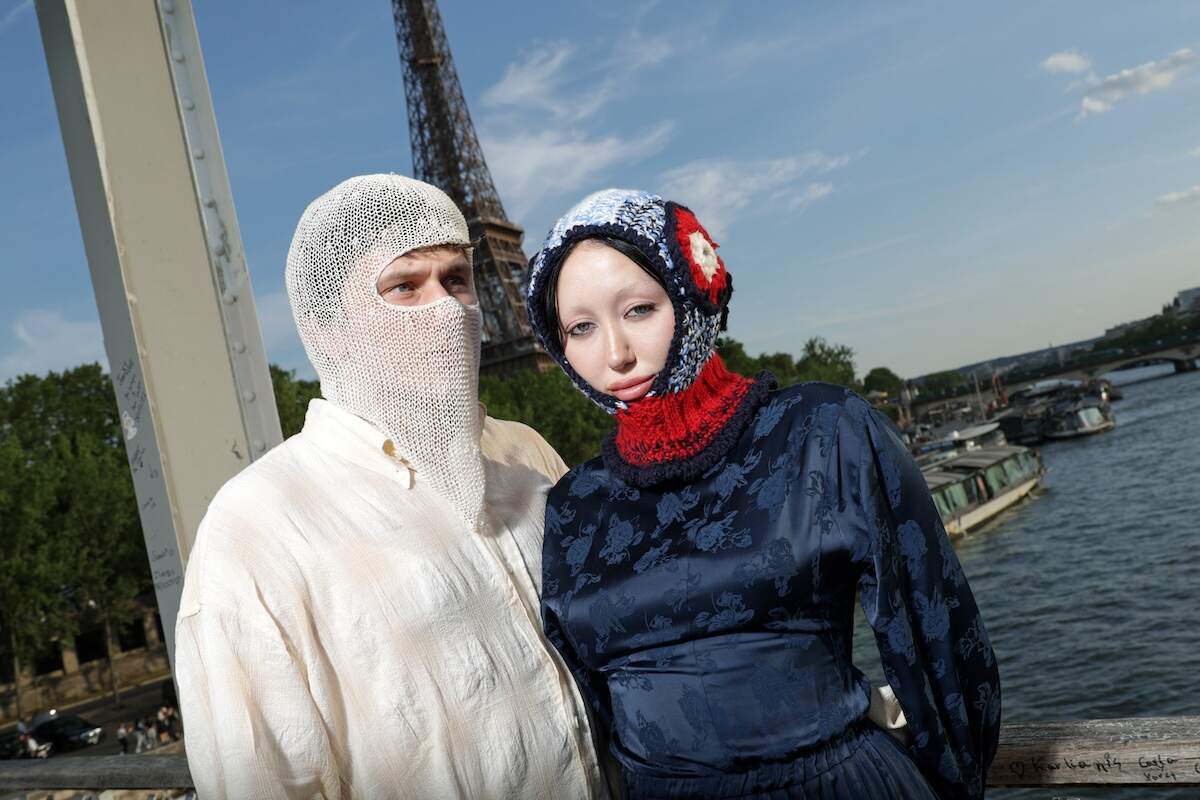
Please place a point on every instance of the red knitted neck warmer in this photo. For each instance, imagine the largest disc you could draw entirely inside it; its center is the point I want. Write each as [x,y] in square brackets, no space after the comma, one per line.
[679,435]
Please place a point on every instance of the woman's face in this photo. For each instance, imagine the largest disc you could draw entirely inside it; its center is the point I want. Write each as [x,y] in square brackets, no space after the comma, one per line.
[615,321]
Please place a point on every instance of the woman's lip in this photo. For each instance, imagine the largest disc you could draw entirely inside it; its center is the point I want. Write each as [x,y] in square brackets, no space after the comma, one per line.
[629,391]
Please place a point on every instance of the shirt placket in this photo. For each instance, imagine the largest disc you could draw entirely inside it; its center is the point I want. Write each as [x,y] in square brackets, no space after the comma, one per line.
[504,550]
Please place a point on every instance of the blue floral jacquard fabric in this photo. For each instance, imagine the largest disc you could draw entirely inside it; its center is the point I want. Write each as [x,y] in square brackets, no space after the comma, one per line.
[709,623]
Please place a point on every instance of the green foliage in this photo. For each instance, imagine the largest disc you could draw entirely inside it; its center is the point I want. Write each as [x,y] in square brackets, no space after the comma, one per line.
[71,549]
[549,403]
[735,357]
[882,379]
[819,361]
[822,361]
[1163,327]
[944,384]
[291,398]
[33,610]
[108,567]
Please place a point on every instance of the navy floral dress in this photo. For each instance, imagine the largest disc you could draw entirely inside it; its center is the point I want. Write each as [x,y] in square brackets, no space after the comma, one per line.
[709,623]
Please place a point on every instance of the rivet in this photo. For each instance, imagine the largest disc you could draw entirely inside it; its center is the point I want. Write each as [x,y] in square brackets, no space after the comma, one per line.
[188,105]
[210,202]
[248,396]
[197,153]
[259,446]
[230,298]
[219,249]
[238,347]
[178,56]
[168,8]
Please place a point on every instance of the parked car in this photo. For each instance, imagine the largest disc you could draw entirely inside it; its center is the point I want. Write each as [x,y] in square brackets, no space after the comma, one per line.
[68,732]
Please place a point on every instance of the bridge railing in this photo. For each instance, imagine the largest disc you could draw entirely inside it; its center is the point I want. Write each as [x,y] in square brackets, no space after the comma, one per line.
[1142,751]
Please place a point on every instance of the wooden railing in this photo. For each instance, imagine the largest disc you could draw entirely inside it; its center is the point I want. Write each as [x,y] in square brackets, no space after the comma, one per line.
[1142,751]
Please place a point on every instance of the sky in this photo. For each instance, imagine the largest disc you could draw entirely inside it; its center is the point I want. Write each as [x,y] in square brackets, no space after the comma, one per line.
[930,183]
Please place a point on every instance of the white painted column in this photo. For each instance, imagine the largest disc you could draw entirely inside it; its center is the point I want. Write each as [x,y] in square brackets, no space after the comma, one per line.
[166,259]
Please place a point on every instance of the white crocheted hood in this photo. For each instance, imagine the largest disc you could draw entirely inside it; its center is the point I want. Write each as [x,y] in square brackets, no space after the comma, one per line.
[413,372]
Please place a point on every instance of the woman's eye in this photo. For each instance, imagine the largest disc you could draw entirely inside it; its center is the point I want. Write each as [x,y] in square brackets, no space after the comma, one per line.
[580,328]
[642,310]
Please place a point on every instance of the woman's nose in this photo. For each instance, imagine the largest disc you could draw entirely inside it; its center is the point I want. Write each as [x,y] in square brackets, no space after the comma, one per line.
[620,354]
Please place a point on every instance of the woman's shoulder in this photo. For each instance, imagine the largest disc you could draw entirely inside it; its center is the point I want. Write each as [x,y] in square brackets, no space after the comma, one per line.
[588,474]
[805,406]
[813,394]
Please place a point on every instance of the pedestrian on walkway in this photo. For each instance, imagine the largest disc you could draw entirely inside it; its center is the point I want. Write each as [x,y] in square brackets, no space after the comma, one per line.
[148,732]
[144,740]
[123,738]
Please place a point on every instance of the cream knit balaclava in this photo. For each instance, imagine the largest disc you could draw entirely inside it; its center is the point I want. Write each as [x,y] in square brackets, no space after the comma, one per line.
[412,371]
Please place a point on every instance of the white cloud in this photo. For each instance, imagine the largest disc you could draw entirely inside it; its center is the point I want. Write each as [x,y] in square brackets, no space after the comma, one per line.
[13,14]
[530,167]
[1101,94]
[1196,152]
[572,84]
[1187,196]
[1067,61]
[534,135]
[532,81]
[46,340]
[721,190]
[812,193]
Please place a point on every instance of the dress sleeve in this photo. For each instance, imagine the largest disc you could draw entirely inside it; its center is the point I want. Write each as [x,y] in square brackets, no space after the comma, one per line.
[932,642]
[252,727]
[591,685]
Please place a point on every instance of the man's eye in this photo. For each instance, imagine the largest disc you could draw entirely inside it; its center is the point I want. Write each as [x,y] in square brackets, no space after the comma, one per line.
[400,288]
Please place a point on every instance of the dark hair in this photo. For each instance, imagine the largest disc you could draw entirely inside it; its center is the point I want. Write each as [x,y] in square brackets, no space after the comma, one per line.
[550,296]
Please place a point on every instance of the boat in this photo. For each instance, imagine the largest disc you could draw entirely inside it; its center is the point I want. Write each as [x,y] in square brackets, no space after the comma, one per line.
[1080,418]
[955,440]
[1022,424]
[973,486]
[1058,409]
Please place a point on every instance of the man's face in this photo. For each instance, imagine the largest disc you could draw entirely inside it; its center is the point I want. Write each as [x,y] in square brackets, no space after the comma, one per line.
[427,275]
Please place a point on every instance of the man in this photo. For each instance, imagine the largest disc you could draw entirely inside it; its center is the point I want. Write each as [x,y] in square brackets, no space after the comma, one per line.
[360,612]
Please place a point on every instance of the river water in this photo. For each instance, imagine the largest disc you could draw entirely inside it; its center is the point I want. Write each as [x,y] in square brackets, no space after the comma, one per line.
[1090,590]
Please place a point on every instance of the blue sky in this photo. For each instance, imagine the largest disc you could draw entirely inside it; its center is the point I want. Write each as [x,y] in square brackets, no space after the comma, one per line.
[931,183]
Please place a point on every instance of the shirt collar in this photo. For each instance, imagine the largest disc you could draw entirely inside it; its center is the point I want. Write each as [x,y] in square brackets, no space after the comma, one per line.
[336,430]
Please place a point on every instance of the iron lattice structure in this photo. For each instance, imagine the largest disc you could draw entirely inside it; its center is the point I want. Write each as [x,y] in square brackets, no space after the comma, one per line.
[446,153]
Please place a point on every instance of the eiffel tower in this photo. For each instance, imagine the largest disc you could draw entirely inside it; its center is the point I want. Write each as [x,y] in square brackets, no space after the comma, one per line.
[446,153]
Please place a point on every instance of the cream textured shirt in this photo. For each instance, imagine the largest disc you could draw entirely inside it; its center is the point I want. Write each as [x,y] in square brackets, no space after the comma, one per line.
[342,634]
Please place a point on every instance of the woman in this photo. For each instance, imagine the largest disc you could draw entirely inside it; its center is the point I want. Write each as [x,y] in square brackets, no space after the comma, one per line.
[700,575]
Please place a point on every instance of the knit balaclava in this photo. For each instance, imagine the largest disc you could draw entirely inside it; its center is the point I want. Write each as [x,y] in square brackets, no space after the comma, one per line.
[411,371]
[694,409]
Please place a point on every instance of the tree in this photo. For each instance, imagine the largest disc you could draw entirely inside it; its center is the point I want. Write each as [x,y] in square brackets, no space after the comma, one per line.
[549,403]
[819,361]
[99,516]
[782,365]
[882,379]
[34,611]
[291,398]
[80,554]
[944,384]
[822,361]
[735,357]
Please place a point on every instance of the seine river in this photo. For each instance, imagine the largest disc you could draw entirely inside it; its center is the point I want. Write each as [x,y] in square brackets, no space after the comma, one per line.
[1091,589]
